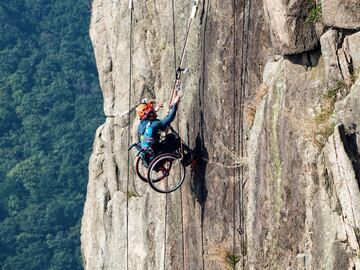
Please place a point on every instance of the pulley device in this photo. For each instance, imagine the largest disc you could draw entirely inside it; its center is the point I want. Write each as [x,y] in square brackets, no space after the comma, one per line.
[178,85]
[180,70]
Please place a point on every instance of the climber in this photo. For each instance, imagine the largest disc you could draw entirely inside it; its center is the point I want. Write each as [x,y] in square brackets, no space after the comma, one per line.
[150,127]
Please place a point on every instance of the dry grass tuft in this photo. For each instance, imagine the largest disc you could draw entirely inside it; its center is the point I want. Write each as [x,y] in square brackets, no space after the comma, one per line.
[224,257]
[250,108]
[321,126]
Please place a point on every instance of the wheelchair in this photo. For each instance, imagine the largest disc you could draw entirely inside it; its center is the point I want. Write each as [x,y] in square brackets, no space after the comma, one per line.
[165,167]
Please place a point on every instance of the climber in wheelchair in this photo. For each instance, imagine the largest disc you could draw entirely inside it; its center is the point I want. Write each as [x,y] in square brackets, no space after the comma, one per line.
[157,136]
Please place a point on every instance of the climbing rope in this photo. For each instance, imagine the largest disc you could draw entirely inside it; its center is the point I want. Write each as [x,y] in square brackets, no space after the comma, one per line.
[174,90]
[180,69]
[165,229]
[241,148]
[201,122]
[234,122]
[238,119]
[166,196]
[181,145]
[129,133]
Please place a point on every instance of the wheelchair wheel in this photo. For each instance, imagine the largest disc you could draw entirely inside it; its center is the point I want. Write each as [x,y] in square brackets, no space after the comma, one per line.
[140,169]
[166,173]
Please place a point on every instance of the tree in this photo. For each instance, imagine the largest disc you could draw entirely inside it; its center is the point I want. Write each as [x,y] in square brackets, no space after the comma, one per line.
[50,107]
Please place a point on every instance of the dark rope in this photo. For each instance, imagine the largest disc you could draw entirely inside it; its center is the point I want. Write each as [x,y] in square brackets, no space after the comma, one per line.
[166,196]
[182,227]
[243,80]
[175,69]
[234,123]
[201,104]
[242,135]
[165,231]
[129,139]
[239,149]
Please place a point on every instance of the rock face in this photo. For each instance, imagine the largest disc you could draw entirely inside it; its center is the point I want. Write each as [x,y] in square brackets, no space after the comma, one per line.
[297,196]
[352,43]
[338,192]
[290,31]
[348,112]
[341,14]
[329,48]
[277,185]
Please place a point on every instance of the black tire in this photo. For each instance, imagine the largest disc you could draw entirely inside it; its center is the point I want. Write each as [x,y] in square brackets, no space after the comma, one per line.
[166,173]
[140,169]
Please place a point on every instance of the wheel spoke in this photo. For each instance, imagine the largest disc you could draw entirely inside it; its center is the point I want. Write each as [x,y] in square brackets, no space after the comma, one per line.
[141,169]
[166,173]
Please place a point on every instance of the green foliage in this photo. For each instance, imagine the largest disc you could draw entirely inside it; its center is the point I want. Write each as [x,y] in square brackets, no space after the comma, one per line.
[332,93]
[314,14]
[323,119]
[50,106]
[232,260]
[328,105]
[132,194]
[324,115]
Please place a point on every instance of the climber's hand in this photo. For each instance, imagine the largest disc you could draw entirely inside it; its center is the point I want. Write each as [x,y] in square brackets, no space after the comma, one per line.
[158,106]
[176,100]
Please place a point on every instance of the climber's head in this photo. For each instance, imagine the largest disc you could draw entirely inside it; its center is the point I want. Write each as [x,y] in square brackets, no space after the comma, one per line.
[146,110]
[152,115]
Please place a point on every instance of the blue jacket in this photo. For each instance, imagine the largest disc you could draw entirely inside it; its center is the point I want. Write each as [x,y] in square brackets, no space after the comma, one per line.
[148,131]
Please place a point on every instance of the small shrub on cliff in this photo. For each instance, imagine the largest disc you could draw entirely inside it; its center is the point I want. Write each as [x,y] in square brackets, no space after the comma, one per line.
[314,14]
[232,260]
[132,194]
[251,106]
[355,75]
[325,125]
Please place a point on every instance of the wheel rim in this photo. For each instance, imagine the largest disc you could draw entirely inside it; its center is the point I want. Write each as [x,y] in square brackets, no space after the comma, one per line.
[166,173]
[140,169]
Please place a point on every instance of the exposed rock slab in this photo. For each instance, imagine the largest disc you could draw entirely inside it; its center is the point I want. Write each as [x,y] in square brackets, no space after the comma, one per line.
[338,204]
[317,196]
[290,33]
[348,112]
[298,212]
[125,224]
[341,14]
[280,153]
[345,67]
[329,48]
[353,45]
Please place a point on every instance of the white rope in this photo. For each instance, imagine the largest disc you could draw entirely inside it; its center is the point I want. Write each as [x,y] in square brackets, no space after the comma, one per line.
[194,9]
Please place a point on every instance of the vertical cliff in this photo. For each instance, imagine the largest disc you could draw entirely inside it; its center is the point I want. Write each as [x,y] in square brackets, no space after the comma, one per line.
[272,107]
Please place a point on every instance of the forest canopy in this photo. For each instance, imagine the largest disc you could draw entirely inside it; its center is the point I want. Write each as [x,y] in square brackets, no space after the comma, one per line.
[50,107]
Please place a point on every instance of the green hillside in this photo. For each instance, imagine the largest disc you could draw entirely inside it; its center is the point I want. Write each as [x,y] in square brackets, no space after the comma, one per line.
[50,106]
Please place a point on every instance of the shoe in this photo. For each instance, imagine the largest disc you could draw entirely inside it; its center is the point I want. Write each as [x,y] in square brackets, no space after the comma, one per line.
[190,158]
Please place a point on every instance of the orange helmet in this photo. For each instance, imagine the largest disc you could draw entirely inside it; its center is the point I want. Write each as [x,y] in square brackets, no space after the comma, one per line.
[144,109]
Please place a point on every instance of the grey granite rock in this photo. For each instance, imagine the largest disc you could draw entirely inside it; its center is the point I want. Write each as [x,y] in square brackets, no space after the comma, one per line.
[341,14]
[329,47]
[290,32]
[290,205]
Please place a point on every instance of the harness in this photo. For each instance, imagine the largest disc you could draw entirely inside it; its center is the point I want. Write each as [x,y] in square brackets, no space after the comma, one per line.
[147,137]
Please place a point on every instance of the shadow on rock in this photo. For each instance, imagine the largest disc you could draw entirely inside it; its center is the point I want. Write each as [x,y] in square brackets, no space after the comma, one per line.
[198,185]
[350,144]
[308,59]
